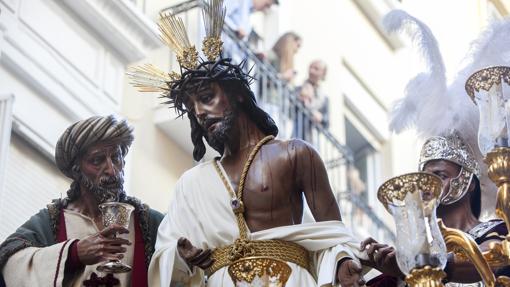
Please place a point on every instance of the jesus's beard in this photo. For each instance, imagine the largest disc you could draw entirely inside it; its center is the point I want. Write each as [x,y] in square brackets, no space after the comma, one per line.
[222,132]
[114,191]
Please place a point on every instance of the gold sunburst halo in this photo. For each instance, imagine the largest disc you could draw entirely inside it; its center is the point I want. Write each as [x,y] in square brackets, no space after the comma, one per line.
[214,19]
[174,35]
[148,78]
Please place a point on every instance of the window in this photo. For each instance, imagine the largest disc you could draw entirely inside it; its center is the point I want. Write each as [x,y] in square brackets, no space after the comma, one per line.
[362,175]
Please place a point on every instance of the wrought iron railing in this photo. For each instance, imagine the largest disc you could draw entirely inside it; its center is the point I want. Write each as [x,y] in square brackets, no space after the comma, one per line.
[294,120]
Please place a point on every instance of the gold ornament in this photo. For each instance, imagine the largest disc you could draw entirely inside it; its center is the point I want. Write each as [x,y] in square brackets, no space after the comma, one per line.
[148,78]
[214,18]
[173,33]
[426,277]
[270,272]
[395,189]
[484,79]
[466,249]
[276,249]
[212,48]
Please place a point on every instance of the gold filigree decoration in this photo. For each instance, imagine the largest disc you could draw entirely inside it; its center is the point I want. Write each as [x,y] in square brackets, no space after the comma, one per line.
[214,18]
[212,48]
[484,79]
[148,78]
[396,188]
[116,213]
[273,272]
[241,248]
[426,277]
[173,33]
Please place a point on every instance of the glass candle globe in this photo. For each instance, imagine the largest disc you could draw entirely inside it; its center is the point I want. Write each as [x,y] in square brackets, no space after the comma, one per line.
[490,90]
[412,200]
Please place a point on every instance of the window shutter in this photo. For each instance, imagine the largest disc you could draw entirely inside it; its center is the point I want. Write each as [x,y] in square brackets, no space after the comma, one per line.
[31,182]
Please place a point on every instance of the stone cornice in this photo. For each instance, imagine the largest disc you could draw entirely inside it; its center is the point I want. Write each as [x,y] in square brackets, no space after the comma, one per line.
[124,27]
[375,10]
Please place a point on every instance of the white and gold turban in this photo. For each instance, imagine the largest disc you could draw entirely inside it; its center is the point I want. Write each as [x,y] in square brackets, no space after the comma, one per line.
[80,136]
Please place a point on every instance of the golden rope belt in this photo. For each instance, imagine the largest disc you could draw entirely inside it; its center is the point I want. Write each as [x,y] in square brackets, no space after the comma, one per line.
[277,249]
[242,247]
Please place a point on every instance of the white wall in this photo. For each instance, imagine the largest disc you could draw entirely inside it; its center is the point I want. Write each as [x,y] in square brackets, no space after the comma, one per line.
[62,61]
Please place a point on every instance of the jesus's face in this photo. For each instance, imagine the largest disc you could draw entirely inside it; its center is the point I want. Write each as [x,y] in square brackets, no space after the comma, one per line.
[215,113]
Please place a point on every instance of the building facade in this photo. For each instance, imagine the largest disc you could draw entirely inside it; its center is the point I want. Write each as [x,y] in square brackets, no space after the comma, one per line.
[64,60]
[60,61]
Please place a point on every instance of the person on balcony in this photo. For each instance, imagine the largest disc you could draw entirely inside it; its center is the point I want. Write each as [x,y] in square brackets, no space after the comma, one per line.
[313,100]
[64,243]
[281,56]
[278,87]
[239,11]
[238,19]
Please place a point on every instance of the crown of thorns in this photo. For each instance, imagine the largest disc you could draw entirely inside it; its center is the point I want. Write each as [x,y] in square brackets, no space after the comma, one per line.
[191,80]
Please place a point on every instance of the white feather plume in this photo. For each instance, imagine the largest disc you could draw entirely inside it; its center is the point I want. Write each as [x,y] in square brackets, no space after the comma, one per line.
[434,108]
[424,93]
[492,48]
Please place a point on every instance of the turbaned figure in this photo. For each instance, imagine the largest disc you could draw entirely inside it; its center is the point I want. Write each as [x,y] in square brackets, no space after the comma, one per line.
[63,243]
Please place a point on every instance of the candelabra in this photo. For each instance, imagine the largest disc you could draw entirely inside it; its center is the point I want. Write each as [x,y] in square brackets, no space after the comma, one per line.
[489,89]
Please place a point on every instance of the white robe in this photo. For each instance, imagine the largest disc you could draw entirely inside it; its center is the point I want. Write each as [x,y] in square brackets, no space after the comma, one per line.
[201,212]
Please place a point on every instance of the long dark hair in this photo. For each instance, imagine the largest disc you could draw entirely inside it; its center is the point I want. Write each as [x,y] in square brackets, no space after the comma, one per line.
[475,201]
[249,106]
[234,82]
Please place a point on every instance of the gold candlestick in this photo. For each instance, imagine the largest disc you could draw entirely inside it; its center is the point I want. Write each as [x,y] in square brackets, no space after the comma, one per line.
[426,277]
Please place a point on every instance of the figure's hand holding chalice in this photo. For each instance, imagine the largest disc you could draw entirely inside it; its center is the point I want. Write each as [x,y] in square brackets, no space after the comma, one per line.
[101,246]
[115,215]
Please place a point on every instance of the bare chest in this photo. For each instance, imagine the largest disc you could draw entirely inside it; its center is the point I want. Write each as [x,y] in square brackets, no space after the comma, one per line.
[267,185]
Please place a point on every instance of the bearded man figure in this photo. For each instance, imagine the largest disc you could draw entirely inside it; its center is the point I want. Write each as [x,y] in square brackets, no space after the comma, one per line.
[63,243]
